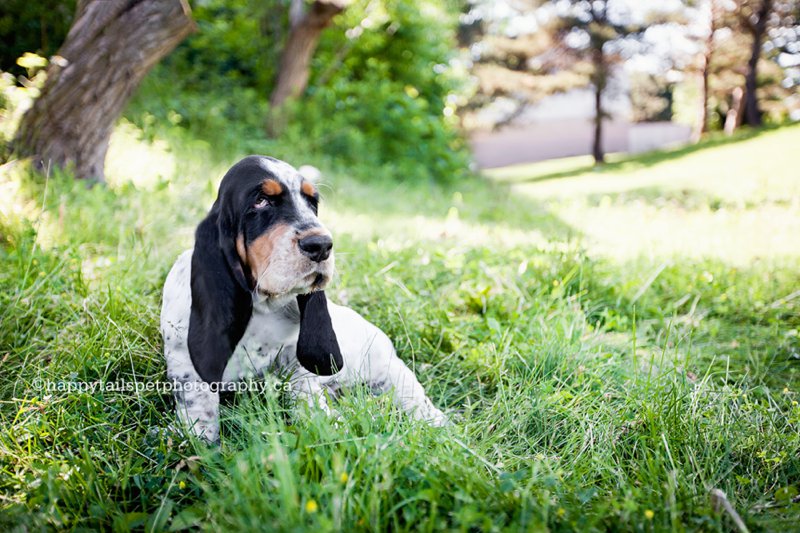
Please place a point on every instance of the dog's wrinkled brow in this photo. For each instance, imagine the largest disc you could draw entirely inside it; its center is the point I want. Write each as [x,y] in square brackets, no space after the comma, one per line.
[272,187]
[308,189]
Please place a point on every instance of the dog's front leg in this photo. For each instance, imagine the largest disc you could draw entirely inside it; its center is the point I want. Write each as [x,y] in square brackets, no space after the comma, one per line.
[388,373]
[309,390]
[197,404]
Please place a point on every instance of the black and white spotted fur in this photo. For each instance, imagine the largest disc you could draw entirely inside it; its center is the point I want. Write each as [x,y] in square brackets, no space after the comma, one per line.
[248,299]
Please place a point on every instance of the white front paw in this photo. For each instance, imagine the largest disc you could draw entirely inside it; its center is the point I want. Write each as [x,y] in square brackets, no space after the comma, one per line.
[438,419]
[433,416]
[207,431]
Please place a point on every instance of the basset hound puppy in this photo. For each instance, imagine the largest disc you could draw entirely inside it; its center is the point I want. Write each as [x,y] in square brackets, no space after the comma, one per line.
[248,300]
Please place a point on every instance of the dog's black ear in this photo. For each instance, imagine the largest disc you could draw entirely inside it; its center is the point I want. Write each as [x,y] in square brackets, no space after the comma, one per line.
[317,346]
[221,300]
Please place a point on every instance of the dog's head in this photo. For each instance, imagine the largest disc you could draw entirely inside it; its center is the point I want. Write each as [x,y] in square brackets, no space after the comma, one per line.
[261,241]
[280,243]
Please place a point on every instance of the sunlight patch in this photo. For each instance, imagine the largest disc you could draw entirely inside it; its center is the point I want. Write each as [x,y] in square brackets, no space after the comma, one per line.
[133,160]
[400,232]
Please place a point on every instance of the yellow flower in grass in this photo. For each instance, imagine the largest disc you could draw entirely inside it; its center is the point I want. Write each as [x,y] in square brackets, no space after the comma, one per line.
[311,506]
[344,477]
[649,514]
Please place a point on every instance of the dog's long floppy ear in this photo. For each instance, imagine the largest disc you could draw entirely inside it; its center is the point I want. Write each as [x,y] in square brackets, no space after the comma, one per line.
[221,300]
[317,346]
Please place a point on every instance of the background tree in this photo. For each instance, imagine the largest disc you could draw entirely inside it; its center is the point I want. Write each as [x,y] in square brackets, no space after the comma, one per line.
[384,86]
[568,44]
[306,25]
[511,70]
[754,16]
[765,80]
[651,98]
[709,11]
[771,24]
[513,66]
[110,47]
[382,89]
[600,33]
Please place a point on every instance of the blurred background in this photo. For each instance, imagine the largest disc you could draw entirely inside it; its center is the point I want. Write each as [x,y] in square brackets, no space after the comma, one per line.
[426,87]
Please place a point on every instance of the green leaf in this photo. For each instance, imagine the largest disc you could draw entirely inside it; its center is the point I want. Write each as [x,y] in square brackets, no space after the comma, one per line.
[29,61]
[785,494]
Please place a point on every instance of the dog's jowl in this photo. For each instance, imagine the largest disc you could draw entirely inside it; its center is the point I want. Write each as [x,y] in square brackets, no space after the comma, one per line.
[248,299]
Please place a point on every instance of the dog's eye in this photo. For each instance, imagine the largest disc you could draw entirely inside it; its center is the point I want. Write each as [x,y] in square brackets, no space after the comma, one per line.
[261,203]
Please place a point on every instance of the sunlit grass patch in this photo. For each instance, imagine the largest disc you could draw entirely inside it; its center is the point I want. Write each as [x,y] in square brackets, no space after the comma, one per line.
[736,200]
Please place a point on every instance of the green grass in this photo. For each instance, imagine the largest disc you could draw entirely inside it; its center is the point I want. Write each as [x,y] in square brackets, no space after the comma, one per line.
[589,390]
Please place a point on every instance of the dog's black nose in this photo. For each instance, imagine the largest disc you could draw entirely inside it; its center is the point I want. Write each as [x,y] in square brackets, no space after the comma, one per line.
[316,247]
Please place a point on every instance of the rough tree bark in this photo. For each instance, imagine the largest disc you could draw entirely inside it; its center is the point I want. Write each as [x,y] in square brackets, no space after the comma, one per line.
[758,27]
[306,28]
[111,46]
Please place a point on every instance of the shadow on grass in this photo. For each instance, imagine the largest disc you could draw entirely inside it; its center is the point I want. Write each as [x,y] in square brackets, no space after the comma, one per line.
[647,159]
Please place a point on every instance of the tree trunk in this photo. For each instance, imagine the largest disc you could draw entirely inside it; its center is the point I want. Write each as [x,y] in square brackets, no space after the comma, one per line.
[597,144]
[600,78]
[733,118]
[752,114]
[306,28]
[111,46]
[701,126]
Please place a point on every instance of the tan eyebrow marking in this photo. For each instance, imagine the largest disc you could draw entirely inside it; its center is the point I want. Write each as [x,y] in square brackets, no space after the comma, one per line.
[308,188]
[271,187]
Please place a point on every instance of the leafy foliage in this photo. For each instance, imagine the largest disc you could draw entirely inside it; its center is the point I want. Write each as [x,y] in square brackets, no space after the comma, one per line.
[39,27]
[381,90]
[379,93]
[651,98]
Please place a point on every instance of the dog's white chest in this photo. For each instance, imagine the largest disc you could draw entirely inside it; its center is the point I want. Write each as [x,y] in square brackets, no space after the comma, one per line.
[268,344]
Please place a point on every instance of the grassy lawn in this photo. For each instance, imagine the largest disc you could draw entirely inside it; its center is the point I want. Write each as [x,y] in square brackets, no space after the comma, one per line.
[737,199]
[611,346]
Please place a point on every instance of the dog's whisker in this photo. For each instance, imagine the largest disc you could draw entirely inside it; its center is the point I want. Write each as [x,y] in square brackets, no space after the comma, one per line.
[325,185]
